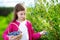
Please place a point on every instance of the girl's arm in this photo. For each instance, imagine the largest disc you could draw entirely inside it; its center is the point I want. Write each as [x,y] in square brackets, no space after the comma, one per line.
[34,34]
[9,29]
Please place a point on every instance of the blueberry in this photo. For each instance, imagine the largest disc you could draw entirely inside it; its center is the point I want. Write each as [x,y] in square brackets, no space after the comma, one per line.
[14,33]
[18,33]
[10,34]
[46,33]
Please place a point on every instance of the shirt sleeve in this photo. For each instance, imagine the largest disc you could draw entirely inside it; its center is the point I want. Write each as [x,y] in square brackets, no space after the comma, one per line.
[8,29]
[35,35]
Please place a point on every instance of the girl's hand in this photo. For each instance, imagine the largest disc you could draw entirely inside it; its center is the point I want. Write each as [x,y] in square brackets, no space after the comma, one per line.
[12,37]
[43,32]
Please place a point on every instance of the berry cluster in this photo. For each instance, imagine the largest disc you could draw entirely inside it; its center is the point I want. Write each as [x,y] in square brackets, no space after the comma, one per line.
[14,33]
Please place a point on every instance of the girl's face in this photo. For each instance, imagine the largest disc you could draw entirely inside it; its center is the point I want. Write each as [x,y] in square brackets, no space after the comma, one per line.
[21,15]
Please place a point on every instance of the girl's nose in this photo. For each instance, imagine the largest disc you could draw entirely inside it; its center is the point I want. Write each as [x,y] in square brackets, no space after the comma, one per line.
[23,15]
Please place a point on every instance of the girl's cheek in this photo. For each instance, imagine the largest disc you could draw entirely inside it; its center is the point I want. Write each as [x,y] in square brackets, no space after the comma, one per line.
[19,15]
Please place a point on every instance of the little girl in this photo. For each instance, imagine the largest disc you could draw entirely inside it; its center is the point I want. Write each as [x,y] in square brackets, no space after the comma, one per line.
[20,23]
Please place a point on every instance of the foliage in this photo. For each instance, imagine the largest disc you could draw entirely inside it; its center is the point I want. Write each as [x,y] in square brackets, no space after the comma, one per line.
[46,18]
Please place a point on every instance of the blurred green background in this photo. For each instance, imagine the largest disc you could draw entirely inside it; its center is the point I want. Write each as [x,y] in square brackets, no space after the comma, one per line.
[44,16]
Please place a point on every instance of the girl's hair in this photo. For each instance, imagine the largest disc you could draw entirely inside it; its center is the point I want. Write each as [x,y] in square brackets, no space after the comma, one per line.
[18,7]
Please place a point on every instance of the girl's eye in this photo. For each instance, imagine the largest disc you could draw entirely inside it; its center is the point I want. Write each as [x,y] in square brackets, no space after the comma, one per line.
[24,13]
[21,14]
